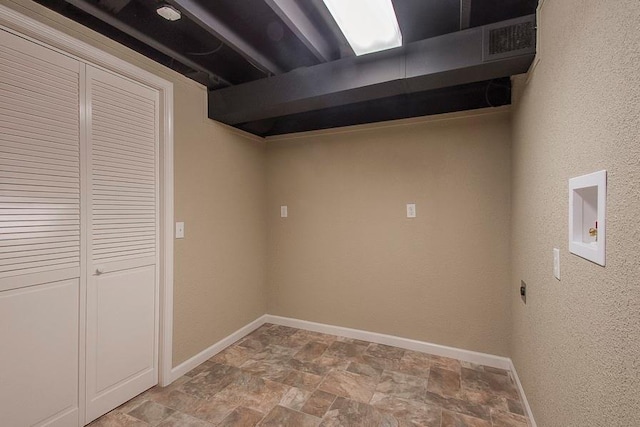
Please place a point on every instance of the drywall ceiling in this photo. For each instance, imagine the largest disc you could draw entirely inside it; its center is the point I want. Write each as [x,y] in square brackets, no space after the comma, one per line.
[225,44]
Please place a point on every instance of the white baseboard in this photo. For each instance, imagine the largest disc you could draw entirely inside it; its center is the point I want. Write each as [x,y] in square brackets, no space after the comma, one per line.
[216,348]
[406,343]
[523,397]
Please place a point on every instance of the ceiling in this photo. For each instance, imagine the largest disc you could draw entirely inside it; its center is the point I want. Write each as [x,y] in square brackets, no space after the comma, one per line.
[230,43]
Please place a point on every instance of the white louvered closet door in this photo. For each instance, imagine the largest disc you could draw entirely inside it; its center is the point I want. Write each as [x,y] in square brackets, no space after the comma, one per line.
[122,293]
[40,243]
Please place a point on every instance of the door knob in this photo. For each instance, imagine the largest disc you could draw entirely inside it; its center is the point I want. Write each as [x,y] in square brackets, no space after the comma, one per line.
[99,271]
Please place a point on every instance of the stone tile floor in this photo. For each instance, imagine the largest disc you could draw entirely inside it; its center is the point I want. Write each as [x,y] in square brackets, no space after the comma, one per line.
[281,376]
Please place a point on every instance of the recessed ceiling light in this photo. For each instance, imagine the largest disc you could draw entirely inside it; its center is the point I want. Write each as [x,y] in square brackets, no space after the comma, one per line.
[368,25]
[169,13]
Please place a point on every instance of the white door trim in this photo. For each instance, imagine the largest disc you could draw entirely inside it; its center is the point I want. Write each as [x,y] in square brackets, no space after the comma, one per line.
[42,34]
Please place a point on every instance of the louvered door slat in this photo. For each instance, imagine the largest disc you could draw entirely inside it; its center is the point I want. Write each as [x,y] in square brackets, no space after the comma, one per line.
[19,167]
[117,113]
[21,90]
[18,243]
[34,249]
[66,68]
[38,176]
[123,147]
[35,88]
[24,71]
[25,107]
[137,101]
[118,108]
[123,170]
[39,160]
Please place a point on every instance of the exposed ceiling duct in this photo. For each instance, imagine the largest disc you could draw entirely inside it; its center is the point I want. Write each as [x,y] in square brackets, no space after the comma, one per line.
[477,54]
[281,66]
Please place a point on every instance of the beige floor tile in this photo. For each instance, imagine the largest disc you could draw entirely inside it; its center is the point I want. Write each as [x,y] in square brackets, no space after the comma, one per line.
[444,382]
[506,419]
[454,419]
[319,403]
[281,416]
[349,385]
[402,386]
[407,412]
[311,351]
[118,419]
[151,412]
[295,398]
[346,412]
[241,417]
[281,376]
[178,419]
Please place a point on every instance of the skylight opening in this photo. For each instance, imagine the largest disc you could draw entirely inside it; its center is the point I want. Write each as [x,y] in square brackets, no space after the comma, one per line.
[368,25]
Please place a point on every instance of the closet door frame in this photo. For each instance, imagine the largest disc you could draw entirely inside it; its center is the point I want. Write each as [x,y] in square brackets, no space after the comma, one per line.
[35,31]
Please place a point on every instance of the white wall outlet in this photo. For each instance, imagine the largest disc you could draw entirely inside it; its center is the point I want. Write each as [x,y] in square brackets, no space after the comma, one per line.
[284,212]
[411,210]
[556,263]
[179,230]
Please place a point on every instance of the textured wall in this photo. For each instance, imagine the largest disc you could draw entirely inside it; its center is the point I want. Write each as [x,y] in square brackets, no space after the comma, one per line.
[220,194]
[576,344]
[347,255]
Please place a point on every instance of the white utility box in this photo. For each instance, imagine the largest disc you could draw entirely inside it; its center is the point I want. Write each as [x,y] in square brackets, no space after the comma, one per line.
[587,221]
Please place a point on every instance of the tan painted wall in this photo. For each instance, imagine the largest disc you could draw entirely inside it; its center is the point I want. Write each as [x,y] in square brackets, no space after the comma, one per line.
[347,255]
[576,344]
[219,193]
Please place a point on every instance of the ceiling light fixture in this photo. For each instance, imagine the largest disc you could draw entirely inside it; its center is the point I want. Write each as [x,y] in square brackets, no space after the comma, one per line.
[169,13]
[369,25]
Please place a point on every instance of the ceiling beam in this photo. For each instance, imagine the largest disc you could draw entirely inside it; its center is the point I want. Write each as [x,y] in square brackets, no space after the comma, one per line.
[465,14]
[298,22]
[223,32]
[449,60]
[106,17]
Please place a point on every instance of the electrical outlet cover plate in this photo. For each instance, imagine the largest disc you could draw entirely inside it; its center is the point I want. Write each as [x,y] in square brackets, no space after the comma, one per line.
[179,230]
[556,263]
[411,210]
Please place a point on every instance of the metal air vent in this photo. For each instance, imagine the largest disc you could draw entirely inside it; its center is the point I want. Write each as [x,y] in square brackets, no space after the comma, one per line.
[503,41]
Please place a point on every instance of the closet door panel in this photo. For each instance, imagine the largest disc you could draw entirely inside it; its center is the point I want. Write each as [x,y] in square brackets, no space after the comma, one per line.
[124,351]
[40,243]
[39,163]
[122,292]
[39,353]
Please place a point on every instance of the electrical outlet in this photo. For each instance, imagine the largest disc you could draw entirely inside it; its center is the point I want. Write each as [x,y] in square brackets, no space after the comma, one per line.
[179,230]
[411,210]
[284,212]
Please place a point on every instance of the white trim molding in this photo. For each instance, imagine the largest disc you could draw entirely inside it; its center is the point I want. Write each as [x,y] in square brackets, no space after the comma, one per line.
[40,33]
[406,343]
[216,348]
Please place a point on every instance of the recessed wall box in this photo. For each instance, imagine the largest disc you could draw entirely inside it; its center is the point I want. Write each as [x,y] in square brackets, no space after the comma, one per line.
[587,222]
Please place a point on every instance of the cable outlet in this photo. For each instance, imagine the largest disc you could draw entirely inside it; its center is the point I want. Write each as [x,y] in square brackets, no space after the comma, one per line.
[523,291]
